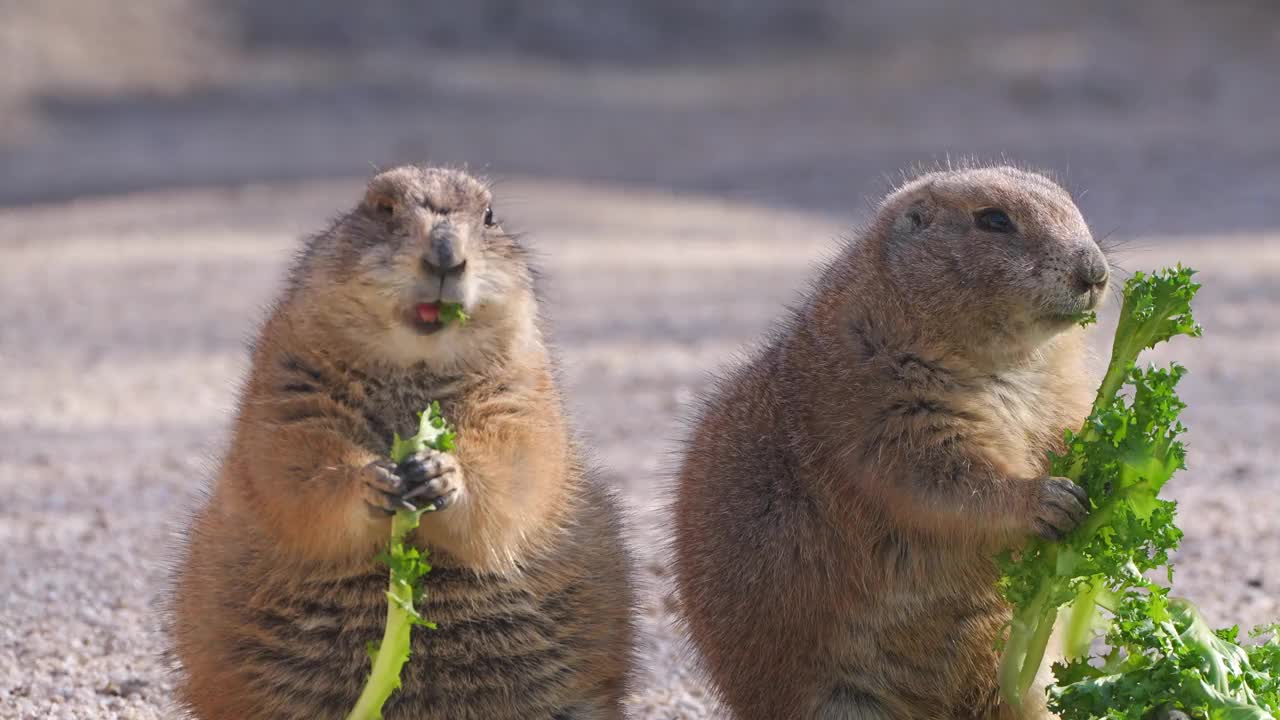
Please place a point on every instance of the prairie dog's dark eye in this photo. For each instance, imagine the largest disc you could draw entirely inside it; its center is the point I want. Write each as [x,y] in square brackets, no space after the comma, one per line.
[382,204]
[488,217]
[993,220]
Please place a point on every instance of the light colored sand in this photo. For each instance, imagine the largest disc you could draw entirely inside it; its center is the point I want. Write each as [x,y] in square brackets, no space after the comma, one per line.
[121,329]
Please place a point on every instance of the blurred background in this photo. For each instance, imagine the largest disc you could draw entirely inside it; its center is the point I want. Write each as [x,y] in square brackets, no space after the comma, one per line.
[807,103]
[680,167]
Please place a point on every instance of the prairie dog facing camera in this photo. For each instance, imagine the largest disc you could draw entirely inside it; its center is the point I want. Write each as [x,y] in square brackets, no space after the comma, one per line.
[279,592]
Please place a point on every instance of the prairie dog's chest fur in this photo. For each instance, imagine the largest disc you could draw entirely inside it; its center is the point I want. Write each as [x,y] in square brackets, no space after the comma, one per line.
[386,402]
[928,614]
[1017,415]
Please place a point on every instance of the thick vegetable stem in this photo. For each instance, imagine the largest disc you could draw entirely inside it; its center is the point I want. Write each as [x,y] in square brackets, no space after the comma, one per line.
[408,567]
[393,652]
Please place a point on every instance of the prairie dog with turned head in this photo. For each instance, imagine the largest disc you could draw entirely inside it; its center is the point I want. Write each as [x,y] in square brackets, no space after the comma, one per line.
[843,492]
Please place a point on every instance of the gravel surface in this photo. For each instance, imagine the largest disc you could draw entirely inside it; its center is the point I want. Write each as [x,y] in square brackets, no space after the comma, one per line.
[122,325]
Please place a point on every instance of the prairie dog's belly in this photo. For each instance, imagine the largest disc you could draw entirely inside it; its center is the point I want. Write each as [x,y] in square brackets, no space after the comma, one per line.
[922,646]
[498,651]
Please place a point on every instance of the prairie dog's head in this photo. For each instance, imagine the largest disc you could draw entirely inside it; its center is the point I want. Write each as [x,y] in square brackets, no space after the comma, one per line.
[999,255]
[421,238]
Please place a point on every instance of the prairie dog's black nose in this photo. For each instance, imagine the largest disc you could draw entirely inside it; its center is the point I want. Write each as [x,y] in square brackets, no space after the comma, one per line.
[1091,271]
[443,258]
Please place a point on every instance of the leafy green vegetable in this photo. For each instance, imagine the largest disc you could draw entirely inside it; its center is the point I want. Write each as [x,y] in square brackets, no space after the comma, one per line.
[453,312]
[408,567]
[1164,655]
[1161,653]
[1085,319]
[1127,450]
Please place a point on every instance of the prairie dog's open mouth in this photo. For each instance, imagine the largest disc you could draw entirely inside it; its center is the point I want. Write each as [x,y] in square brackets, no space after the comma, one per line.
[425,317]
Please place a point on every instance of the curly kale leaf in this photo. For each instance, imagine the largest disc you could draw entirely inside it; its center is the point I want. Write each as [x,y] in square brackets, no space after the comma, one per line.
[1163,655]
[1126,451]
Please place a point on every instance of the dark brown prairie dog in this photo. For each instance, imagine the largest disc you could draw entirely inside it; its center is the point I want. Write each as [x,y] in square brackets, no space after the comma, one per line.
[843,492]
[278,592]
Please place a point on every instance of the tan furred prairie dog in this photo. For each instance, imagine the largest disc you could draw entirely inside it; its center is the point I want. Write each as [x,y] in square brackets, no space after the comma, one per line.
[843,493]
[279,591]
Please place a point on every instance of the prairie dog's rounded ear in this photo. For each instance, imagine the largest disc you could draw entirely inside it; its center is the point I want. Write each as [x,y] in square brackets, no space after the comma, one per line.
[913,217]
[380,203]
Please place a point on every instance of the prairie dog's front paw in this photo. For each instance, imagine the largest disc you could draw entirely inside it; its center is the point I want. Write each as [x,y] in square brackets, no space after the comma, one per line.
[433,478]
[428,478]
[1058,508]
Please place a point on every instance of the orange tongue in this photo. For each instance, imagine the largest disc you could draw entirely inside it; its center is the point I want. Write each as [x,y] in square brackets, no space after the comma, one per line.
[428,312]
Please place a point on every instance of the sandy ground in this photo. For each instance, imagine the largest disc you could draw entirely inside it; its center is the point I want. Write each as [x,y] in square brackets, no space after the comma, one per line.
[122,328]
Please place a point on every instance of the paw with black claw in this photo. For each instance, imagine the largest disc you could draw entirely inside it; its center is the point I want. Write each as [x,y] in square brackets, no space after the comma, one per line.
[429,479]
[1060,506]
